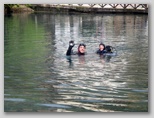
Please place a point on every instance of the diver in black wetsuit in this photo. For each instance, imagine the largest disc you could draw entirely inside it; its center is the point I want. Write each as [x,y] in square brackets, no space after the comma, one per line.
[104,49]
[105,52]
[81,52]
[101,49]
[81,49]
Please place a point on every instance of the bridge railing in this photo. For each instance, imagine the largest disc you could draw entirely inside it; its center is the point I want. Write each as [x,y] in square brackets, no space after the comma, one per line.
[103,6]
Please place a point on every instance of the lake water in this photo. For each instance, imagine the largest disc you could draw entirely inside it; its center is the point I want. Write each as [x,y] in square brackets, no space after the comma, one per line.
[39,78]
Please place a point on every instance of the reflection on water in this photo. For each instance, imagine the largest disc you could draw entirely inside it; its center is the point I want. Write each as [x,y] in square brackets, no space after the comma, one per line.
[39,77]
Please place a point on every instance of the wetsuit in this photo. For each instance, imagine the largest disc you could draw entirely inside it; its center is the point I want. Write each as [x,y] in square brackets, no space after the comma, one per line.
[108,49]
[101,52]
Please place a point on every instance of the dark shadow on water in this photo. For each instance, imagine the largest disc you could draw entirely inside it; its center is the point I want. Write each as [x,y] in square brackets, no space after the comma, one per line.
[69,60]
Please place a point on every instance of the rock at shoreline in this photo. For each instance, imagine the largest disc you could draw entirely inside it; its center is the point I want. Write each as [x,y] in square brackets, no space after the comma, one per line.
[19,9]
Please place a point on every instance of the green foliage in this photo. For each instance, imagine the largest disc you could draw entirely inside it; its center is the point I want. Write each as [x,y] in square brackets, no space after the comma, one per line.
[11,5]
[15,5]
[28,5]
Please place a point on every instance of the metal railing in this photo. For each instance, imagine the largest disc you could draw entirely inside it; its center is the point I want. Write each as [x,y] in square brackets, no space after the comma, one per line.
[112,6]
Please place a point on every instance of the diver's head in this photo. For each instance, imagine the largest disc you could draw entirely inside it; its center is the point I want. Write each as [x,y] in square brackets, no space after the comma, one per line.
[81,48]
[101,46]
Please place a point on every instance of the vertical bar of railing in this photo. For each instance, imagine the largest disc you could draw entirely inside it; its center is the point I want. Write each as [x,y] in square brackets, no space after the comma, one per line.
[124,6]
[145,6]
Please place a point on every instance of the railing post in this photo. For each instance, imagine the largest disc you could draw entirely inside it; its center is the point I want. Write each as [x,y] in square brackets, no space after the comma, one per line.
[145,6]
[124,6]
